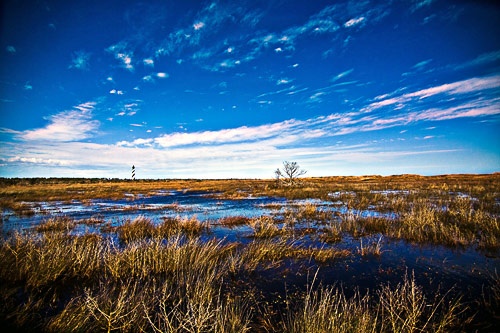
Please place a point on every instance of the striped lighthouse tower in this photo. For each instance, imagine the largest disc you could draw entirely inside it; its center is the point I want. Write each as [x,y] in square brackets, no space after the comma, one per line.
[133,172]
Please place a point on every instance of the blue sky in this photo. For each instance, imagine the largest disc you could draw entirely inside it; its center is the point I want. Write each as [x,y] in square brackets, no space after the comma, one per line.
[220,89]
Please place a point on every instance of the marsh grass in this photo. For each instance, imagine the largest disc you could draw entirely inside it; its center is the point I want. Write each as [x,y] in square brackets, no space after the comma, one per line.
[332,233]
[144,228]
[19,208]
[403,308]
[482,187]
[93,220]
[110,282]
[327,309]
[265,227]
[491,295]
[56,282]
[190,226]
[263,254]
[306,213]
[51,258]
[232,221]
[139,228]
[372,249]
[454,222]
[55,224]
[171,276]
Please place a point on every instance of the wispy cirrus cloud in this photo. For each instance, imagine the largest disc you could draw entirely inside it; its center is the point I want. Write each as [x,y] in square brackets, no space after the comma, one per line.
[341,75]
[420,65]
[482,59]
[80,60]
[73,125]
[288,90]
[251,149]
[421,4]
[417,110]
[206,23]
[248,45]
[464,87]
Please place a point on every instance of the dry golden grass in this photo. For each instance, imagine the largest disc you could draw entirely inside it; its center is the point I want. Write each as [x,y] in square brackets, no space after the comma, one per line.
[403,308]
[332,233]
[232,221]
[185,284]
[19,190]
[164,277]
[143,228]
[370,249]
[62,223]
[265,227]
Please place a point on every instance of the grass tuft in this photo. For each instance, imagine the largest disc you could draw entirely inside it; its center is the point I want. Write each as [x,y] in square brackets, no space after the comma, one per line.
[56,224]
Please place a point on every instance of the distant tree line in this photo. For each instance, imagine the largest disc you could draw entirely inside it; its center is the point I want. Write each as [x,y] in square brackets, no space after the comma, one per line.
[57,180]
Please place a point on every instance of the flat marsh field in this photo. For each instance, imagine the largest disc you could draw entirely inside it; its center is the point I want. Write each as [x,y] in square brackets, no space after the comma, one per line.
[403,253]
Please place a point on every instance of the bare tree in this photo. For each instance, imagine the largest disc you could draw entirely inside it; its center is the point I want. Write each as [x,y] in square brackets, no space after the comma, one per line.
[289,173]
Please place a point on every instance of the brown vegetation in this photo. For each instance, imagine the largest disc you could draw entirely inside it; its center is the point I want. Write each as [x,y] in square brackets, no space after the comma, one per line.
[155,284]
[172,276]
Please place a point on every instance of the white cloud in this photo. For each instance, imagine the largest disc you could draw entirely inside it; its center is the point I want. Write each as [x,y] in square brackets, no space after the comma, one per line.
[283,81]
[316,97]
[456,88]
[161,75]
[10,49]
[35,160]
[71,125]
[240,134]
[137,142]
[149,62]
[241,151]
[126,59]
[198,25]
[28,86]
[254,159]
[122,54]
[341,75]
[353,22]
